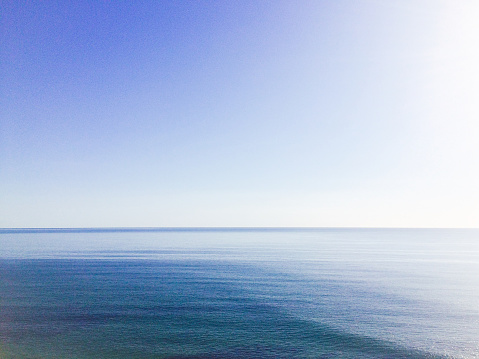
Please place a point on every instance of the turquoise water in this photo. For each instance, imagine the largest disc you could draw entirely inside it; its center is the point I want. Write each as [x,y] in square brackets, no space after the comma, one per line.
[217,293]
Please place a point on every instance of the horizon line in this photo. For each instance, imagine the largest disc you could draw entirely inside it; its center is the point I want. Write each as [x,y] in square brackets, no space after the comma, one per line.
[196,228]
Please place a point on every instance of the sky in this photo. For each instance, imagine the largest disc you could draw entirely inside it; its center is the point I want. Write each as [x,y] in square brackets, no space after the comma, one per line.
[239,113]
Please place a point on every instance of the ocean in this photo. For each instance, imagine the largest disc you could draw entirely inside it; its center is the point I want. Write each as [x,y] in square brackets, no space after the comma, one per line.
[239,293]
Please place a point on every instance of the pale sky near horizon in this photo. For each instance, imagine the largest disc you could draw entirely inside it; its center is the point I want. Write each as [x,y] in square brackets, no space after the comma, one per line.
[239,113]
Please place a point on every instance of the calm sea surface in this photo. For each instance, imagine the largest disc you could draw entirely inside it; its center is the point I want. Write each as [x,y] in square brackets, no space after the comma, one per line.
[224,293]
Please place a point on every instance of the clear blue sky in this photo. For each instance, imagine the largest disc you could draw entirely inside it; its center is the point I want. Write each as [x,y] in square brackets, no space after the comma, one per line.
[239,113]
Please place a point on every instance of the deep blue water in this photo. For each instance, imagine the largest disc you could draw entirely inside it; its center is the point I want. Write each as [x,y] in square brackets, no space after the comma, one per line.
[257,293]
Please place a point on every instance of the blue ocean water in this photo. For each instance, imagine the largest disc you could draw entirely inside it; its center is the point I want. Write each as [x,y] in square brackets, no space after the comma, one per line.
[239,293]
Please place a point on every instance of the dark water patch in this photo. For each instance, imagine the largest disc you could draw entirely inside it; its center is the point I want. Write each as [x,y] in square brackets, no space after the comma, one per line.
[161,309]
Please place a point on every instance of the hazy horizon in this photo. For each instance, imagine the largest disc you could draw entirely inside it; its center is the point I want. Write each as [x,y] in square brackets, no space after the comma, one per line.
[249,114]
[205,228]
